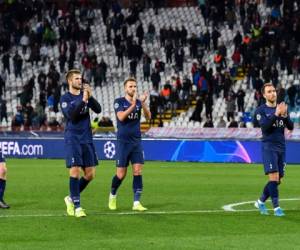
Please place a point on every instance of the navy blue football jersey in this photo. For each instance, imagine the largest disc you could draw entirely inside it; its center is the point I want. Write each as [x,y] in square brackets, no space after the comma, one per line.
[76,112]
[129,130]
[272,127]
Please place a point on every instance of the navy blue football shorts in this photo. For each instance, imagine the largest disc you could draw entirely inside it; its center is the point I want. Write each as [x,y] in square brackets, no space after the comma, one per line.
[82,155]
[129,152]
[274,161]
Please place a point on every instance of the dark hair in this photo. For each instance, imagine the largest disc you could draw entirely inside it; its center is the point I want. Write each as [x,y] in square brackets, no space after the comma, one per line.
[268,84]
[72,72]
[130,79]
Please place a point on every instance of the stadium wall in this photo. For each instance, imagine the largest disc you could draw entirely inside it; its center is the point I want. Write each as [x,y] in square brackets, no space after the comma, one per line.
[243,151]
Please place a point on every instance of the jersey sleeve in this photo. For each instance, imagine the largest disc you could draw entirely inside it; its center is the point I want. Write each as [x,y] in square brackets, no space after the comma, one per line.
[65,106]
[118,106]
[289,123]
[71,110]
[264,122]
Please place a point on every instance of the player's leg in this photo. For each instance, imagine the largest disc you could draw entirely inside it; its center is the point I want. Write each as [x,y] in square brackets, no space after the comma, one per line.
[276,180]
[137,186]
[74,163]
[90,161]
[271,165]
[3,172]
[89,175]
[122,162]
[115,184]
[75,191]
[268,162]
[137,160]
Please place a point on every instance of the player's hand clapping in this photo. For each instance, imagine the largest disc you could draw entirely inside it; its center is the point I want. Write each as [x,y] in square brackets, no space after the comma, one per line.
[143,97]
[134,98]
[281,109]
[87,92]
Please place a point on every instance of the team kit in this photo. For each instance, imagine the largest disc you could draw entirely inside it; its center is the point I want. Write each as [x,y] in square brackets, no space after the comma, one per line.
[78,102]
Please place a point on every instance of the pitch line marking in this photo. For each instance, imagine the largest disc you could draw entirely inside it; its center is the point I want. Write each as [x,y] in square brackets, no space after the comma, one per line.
[230,207]
[225,209]
[94,213]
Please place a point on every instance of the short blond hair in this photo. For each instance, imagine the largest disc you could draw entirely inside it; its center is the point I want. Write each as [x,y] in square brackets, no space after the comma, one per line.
[130,79]
[72,72]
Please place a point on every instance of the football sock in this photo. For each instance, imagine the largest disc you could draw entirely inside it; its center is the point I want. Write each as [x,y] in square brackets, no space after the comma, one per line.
[2,188]
[273,189]
[82,184]
[266,194]
[115,184]
[74,191]
[137,187]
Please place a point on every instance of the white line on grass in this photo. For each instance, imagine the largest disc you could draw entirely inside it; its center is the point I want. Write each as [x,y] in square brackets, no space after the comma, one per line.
[230,207]
[225,209]
[125,213]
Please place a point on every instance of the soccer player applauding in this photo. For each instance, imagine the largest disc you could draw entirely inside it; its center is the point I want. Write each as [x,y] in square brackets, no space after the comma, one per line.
[273,118]
[3,171]
[80,150]
[129,149]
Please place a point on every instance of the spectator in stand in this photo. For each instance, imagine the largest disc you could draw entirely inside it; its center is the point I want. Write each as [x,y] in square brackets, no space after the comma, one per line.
[233,123]
[140,33]
[173,99]
[169,51]
[183,35]
[2,83]
[230,104]
[18,62]
[208,124]
[280,94]
[241,100]
[153,106]
[179,58]
[186,91]
[133,66]
[292,91]
[151,32]
[196,116]
[18,120]
[105,122]
[3,111]
[53,124]
[50,102]
[146,67]
[215,38]
[120,54]
[208,99]
[103,70]
[155,79]
[194,46]
[222,123]
[6,62]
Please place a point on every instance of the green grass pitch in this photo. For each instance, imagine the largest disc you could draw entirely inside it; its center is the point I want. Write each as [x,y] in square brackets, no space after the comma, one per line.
[185,209]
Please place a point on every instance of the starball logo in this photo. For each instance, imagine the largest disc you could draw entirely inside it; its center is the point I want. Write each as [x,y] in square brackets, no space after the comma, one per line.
[13,148]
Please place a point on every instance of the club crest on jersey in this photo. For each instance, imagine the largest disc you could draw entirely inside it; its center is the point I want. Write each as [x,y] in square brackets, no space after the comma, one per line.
[64,105]
[116,105]
[258,117]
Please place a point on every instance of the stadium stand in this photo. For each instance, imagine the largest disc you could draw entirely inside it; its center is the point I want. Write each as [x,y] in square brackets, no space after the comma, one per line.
[199,70]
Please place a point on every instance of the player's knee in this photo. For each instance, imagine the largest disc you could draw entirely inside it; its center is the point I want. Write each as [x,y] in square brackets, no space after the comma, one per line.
[121,175]
[3,170]
[137,172]
[75,172]
[90,176]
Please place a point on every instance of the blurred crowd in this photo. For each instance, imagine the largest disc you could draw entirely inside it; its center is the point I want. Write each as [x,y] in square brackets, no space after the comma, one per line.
[265,47]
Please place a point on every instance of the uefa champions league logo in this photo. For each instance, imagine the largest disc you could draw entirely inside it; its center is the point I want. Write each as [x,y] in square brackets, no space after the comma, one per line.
[109,150]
